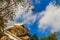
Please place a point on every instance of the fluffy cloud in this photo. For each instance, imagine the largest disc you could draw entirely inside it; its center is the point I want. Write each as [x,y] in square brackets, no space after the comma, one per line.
[23,14]
[51,18]
[26,16]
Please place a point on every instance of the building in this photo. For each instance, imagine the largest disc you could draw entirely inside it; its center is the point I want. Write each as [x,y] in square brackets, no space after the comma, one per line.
[16,32]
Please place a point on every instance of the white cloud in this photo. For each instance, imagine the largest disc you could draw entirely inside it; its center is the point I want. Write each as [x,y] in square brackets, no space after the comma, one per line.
[10,23]
[26,15]
[51,18]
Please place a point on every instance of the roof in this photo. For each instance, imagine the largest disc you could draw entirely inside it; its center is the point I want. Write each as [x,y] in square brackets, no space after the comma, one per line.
[17,31]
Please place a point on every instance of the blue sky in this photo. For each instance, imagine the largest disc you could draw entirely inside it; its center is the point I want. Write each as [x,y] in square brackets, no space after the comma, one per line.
[40,6]
[44,20]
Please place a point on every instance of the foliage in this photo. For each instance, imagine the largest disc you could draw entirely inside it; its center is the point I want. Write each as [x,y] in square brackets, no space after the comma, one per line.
[34,37]
[1,34]
[7,11]
[50,37]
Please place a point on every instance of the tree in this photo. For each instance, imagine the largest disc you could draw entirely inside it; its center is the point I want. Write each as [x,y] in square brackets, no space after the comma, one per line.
[53,36]
[7,11]
[34,37]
